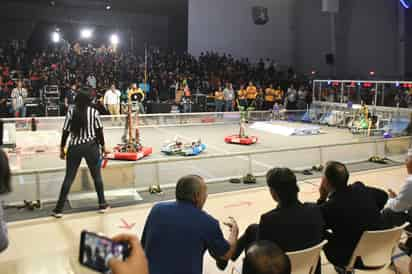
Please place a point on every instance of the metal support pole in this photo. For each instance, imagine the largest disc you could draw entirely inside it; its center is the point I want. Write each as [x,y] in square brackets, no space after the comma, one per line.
[376,94]
[383,95]
[320,156]
[375,148]
[342,88]
[38,192]
[320,91]
[250,167]
[157,173]
[313,91]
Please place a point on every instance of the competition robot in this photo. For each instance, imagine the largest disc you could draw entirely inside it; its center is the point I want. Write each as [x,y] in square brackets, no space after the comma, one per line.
[131,148]
[242,138]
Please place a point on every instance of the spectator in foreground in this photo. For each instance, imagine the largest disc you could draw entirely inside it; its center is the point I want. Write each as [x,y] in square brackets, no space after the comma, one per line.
[348,210]
[265,257]
[5,187]
[177,234]
[399,205]
[136,263]
[284,224]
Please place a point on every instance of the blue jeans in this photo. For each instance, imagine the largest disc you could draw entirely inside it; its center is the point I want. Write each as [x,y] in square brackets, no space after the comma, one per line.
[20,111]
[219,105]
[229,105]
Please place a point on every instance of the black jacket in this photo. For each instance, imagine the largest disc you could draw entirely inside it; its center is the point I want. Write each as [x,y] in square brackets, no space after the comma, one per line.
[294,227]
[348,213]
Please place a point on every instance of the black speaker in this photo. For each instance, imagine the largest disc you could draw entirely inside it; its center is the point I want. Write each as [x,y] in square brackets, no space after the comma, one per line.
[330,59]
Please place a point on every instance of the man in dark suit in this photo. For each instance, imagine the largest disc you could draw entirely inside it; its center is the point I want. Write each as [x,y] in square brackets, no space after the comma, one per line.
[348,211]
[292,225]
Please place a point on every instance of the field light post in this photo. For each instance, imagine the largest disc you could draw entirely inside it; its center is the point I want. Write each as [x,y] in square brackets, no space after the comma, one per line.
[86,33]
[55,36]
[114,40]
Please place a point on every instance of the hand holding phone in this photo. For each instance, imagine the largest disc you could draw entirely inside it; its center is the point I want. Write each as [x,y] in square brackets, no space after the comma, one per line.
[135,263]
[96,251]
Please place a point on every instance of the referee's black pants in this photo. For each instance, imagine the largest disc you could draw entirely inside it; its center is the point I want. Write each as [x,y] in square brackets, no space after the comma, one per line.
[90,151]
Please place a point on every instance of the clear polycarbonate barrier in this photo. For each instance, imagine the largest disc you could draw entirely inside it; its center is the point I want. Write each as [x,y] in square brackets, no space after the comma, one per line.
[377,93]
[45,184]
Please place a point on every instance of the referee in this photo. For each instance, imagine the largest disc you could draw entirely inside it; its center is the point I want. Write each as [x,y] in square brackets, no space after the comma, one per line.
[85,129]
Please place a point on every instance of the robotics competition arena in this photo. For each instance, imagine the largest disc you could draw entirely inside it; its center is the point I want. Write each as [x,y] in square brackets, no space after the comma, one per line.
[297,139]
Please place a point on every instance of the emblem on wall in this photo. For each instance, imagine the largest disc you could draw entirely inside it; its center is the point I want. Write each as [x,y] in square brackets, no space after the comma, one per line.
[260,15]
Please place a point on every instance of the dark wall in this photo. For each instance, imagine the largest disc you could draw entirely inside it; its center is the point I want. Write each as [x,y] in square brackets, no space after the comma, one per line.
[408,43]
[227,26]
[367,38]
[18,20]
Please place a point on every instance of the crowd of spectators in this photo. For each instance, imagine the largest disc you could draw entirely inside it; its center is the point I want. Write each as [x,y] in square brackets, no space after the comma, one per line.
[167,72]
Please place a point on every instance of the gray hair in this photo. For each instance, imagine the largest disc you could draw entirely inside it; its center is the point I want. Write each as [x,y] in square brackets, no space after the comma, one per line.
[187,187]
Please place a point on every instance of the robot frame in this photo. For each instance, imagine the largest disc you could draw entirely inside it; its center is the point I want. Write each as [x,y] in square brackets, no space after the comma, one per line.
[131,149]
[242,138]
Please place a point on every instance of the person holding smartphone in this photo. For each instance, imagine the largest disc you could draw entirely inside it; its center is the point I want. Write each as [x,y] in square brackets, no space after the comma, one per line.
[85,129]
[135,263]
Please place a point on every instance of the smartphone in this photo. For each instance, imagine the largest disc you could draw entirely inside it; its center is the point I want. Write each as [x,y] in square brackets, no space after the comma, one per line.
[96,251]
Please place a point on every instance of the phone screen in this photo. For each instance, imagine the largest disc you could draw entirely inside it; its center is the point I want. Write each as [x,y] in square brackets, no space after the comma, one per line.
[96,251]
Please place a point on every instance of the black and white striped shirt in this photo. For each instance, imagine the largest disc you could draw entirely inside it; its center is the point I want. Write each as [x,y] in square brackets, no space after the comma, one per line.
[87,134]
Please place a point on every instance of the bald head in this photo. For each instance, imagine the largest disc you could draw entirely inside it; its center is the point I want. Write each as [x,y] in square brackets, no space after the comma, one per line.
[191,188]
[265,257]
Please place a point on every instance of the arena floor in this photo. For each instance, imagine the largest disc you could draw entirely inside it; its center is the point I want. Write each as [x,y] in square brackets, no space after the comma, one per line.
[50,246]
[211,134]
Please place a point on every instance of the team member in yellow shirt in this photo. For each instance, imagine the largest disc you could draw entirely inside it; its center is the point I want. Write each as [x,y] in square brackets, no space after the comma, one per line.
[278,94]
[241,97]
[269,97]
[251,93]
[219,100]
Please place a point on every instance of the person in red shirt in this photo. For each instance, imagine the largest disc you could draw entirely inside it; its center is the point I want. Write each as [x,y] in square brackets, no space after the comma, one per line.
[6,71]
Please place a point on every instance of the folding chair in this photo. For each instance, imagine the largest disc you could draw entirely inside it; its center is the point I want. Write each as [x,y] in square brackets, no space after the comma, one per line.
[305,261]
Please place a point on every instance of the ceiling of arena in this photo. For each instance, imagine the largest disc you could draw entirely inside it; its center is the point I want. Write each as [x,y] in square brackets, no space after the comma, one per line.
[158,7]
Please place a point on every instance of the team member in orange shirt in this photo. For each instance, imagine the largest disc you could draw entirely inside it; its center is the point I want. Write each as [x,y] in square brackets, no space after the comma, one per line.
[241,97]
[219,100]
[251,93]
[269,97]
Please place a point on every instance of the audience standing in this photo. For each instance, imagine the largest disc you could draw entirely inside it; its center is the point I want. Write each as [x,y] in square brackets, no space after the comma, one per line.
[219,100]
[69,97]
[229,95]
[112,100]
[18,95]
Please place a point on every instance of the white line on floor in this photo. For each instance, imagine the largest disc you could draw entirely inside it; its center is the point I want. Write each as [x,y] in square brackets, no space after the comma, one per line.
[215,147]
